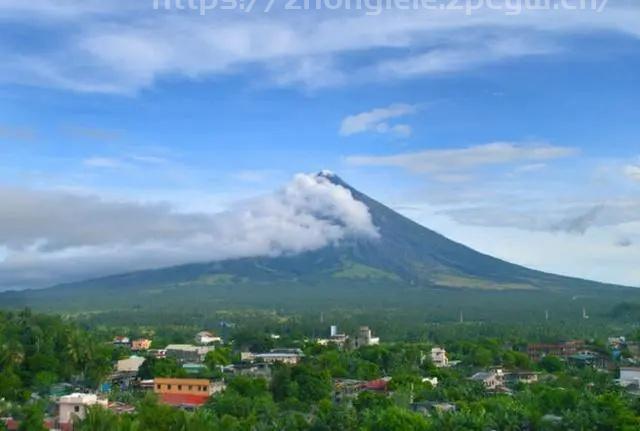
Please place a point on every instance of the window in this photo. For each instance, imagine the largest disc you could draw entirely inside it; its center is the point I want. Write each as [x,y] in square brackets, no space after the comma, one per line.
[76,409]
[169,387]
[158,387]
[179,387]
[190,387]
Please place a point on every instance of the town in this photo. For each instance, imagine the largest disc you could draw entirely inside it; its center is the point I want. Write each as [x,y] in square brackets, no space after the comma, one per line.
[339,380]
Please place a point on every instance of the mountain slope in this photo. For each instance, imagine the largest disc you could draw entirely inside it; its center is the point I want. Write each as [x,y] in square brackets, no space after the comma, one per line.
[405,256]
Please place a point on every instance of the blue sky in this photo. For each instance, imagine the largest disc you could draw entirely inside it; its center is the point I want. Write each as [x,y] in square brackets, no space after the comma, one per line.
[517,135]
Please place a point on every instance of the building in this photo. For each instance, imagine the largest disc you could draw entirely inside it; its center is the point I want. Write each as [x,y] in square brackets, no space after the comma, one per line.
[158,353]
[561,350]
[491,380]
[257,370]
[439,357]
[121,341]
[587,358]
[630,379]
[74,407]
[334,338]
[206,337]
[141,344]
[185,393]
[276,357]
[130,365]
[365,338]
[284,356]
[194,369]
[526,377]
[187,352]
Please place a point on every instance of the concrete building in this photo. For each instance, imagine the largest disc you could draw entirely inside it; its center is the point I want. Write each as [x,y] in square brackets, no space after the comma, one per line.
[141,344]
[334,338]
[121,341]
[187,352]
[365,338]
[439,357]
[186,393]
[73,407]
[206,337]
[561,350]
[130,365]
[275,357]
[492,379]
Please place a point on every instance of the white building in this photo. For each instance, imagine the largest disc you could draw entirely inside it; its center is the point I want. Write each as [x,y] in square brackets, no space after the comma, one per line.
[74,407]
[206,337]
[629,376]
[130,365]
[188,352]
[334,338]
[439,357]
[365,338]
[492,379]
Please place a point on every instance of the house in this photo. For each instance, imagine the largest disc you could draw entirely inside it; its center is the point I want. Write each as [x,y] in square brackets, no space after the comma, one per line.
[121,341]
[257,370]
[141,344]
[192,368]
[630,380]
[275,357]
[378,385]
[365,338]
[561,350]
[186,393]
[158,353]
[74,407]
[587,358]
[346,389]
[130,365]
[284,356]
[12,424]
[187,352]
[206,337]
[526,377]
[492,379]
[439,357]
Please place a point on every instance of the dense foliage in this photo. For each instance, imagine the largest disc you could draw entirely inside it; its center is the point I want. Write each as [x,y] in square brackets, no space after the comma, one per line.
[37,351]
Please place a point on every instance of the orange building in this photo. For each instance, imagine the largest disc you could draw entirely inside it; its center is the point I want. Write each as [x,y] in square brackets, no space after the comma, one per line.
[141,344]
[188,393]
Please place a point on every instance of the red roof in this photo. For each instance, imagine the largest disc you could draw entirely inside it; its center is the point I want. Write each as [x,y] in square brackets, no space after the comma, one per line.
[188,400]
[377,385]
[13,424]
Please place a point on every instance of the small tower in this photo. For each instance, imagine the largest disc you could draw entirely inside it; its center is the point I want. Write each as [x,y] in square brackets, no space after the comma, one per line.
[546,315]
[461,317]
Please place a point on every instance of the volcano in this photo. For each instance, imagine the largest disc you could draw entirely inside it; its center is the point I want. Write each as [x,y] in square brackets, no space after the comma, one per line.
[405,257]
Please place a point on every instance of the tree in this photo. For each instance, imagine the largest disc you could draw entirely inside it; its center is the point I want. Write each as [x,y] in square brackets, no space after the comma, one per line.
[551,364]
[33,418]
[98,419]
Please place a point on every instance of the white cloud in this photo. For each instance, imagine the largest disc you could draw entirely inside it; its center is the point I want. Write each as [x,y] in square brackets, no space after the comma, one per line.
[122,47]
[376,120]
[595,256]
[461,160]
[633,172]
[49,236]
